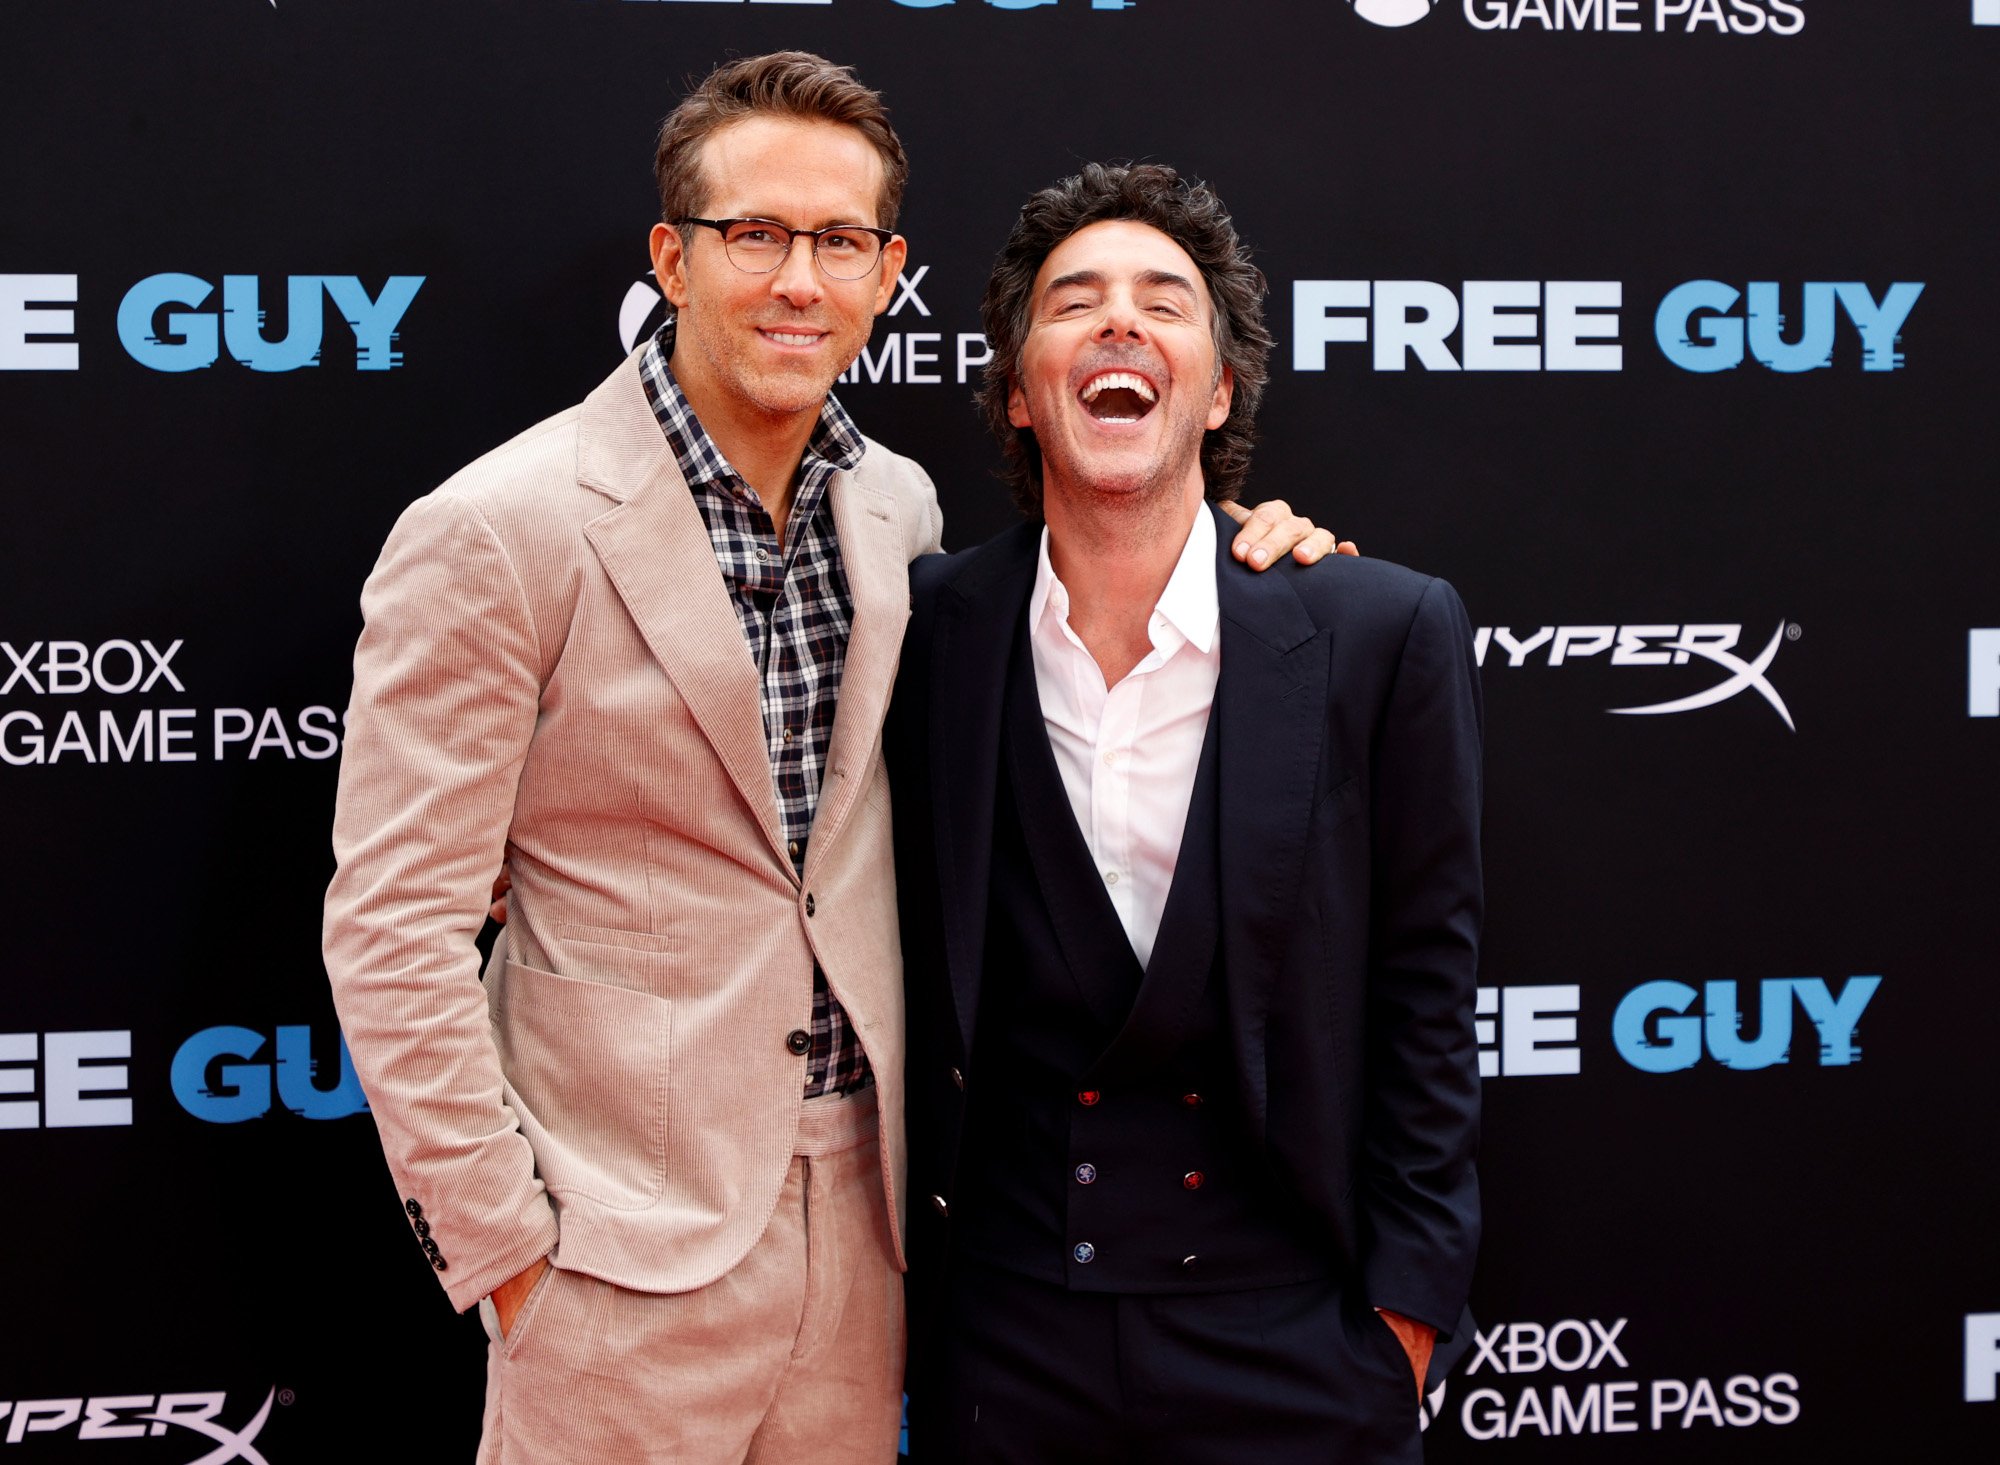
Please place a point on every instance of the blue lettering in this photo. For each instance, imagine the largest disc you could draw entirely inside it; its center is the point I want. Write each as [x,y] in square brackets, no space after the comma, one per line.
[241,1091]
[1813,349]
[1725,1026]
[1879,324]
[1679,1043]
[1697,333]
[296,1072]
[1836,1018]
[1720,343]
[374,321]
[195,346]
[243,324]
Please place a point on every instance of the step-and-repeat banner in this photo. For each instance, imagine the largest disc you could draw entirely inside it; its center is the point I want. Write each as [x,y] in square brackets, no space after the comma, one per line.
[1665,329]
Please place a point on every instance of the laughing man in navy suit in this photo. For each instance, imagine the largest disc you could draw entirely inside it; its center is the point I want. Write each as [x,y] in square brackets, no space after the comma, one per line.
[1190,888]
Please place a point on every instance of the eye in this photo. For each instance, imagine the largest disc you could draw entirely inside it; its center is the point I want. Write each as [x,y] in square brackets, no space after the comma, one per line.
[840,243]
[752,234]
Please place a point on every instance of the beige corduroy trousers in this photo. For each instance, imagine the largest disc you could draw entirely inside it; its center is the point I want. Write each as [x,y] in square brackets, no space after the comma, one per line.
[793,1356]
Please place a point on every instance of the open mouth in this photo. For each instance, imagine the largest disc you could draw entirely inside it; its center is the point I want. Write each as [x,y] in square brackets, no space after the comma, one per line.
[1118,396]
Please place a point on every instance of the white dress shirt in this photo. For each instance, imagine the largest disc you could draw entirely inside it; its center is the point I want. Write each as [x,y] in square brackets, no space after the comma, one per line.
[1128,753]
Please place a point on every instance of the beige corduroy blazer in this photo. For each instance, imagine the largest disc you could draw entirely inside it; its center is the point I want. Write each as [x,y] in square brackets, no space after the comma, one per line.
[551,673]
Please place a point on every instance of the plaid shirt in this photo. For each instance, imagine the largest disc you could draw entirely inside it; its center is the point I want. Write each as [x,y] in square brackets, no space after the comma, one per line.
[795,610]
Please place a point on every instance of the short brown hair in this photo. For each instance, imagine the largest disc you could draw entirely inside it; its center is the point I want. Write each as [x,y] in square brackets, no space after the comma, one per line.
[1186,211]
[794,84]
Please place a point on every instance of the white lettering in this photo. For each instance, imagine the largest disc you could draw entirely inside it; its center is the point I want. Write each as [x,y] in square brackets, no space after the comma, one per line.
[66,1080]
[1982,685]
[1579,311]
[1576,641]
[15,1049]
[1414,317]
[915,357]
[20,320]
[1313,329]
[1496,311]
[1982,1357]
[967,340]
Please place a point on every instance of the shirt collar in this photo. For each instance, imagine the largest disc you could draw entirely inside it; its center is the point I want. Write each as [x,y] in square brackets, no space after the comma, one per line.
[836,442]
[1188,604]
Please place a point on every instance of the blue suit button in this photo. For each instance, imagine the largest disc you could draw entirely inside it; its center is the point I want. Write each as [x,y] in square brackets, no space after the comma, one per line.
[1084,1252]
[1086,1173]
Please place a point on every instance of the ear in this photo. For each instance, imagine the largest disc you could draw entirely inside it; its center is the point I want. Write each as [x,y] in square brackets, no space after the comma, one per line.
[670,264]
[1225,393]
[894,254]
[1017,404]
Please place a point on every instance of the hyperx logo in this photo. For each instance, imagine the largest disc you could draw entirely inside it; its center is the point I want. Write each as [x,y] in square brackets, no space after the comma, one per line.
[1743,675]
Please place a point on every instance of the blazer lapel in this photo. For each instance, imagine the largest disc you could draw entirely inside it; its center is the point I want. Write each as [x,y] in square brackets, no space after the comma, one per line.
[1271,706]
[656,551]
[976,619]
[870,542]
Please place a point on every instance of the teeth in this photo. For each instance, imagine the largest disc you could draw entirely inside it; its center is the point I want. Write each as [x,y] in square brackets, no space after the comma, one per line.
[1128,380]
[791,338]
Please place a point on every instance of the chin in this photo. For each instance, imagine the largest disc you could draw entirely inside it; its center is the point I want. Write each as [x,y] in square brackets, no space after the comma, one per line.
[788,394]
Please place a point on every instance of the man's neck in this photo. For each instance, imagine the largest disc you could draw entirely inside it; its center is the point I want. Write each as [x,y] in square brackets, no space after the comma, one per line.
[765,448]
[1114,556]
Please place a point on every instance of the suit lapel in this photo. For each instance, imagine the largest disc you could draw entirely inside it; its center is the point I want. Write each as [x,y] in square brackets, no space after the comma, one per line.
[656,551]
[976,618]
[1271,708]
[871,551]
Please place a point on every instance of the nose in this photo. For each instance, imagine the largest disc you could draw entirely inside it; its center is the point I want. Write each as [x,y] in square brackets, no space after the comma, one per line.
[1121,321]
[797,281]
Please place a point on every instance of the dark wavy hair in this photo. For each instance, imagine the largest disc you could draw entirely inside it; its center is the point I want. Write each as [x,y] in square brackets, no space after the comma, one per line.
[795,84]
[1187,212]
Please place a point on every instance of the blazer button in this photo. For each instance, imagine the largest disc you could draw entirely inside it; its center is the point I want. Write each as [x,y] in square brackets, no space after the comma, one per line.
[430,1245]
[1187,1263]
[1193,1179]
[440,1263]
[943,1206]
[1086,1174]
[799,1041]
[809,903]
[1084,1252]
[413,1208]
[957,1079]
[423,1227]
[1088,1097]
[1192,1101]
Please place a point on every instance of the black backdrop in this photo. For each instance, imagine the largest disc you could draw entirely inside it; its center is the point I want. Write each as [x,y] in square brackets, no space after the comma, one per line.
[1787,1257]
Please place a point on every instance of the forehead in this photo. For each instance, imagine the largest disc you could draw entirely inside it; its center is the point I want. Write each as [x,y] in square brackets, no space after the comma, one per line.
[795,170]
[1120,250]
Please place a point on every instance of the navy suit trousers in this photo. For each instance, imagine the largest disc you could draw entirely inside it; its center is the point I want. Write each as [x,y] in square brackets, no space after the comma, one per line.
[1034,1374]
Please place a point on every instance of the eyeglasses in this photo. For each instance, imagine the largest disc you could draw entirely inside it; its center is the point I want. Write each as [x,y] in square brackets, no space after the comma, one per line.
[759,246]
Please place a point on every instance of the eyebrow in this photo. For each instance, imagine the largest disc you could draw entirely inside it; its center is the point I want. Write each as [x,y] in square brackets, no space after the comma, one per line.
[1093,279]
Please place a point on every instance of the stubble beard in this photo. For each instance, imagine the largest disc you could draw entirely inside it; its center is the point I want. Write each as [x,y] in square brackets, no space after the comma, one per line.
[771,392]
[1130,506]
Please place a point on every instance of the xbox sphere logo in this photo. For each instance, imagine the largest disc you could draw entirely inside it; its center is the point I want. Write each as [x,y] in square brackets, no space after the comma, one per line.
[1392,12]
